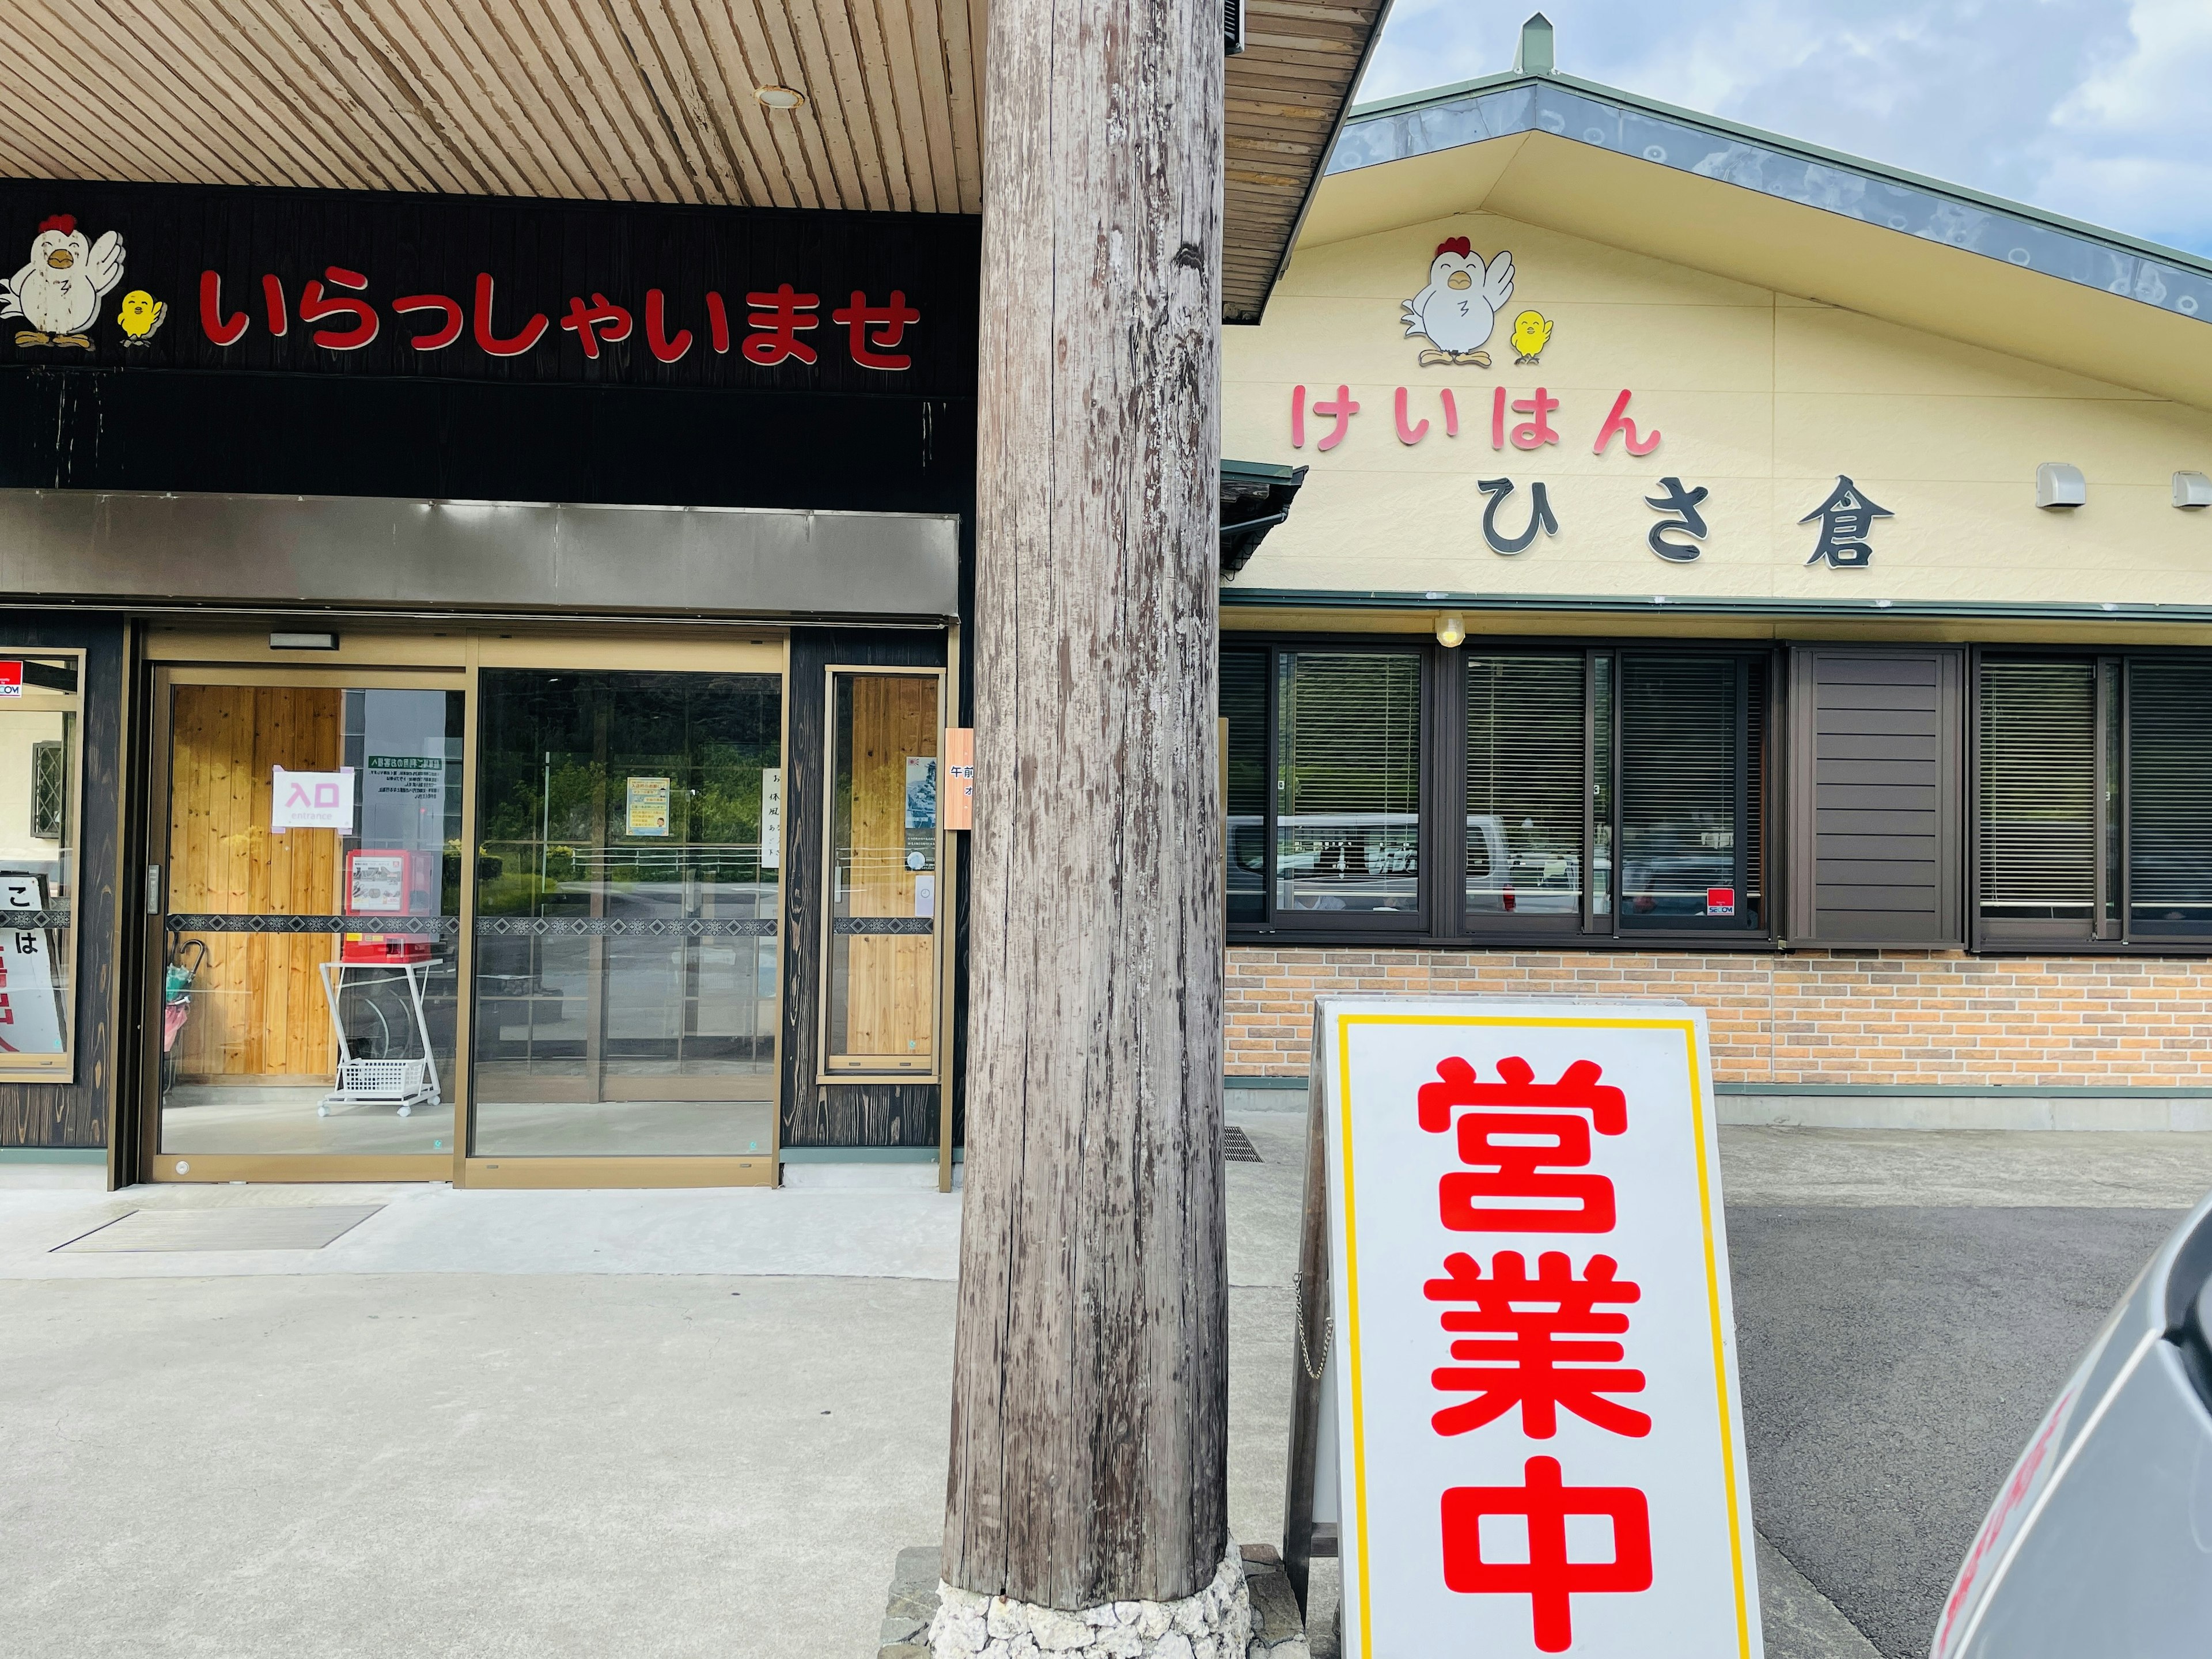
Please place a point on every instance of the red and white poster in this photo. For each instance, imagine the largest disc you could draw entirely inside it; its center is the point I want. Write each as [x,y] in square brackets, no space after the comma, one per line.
[1538,1447]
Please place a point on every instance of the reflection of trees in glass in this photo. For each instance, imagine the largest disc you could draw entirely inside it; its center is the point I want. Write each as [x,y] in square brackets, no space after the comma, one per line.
[558,751]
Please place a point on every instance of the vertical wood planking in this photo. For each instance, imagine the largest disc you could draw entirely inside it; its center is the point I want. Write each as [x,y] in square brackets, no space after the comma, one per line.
[257,1008]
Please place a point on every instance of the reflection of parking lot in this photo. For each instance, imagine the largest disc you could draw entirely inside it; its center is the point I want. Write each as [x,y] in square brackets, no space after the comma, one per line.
[1369,862]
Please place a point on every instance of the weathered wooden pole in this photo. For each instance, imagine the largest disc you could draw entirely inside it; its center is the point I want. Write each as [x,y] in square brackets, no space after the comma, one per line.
[1091,1377]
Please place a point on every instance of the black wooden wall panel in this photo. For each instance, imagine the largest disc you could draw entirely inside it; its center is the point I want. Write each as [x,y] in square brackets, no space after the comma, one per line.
[1879,838]
[77,1113]
[833,1114]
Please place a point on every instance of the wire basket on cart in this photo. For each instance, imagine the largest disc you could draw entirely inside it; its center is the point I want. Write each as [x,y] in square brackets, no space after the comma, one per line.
[406,1084]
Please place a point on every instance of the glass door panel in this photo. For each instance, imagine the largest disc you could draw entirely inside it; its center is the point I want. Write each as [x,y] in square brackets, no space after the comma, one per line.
[309,994]
[880,1009]
[628,881]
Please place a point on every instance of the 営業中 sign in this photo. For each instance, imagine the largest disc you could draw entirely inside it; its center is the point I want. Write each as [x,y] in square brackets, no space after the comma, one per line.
[1531,1374]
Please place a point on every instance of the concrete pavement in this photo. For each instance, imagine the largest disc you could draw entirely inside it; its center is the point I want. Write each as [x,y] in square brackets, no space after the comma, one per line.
[705,1423]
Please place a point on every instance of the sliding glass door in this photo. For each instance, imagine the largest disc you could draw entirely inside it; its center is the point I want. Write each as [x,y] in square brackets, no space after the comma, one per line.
[627,892]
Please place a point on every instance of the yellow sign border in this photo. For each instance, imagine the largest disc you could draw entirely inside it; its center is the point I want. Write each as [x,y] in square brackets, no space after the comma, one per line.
[1689,1030]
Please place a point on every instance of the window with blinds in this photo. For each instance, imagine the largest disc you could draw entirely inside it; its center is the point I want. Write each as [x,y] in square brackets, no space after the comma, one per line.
[1348,783]
[1527,785]
[2169,799]
[1244,708]
[1691,785]
[2036,797]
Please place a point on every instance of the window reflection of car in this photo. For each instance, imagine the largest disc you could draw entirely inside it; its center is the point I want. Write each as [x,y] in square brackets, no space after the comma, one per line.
[1675,883]
[1330,861]
[1532,879]
[2170,887]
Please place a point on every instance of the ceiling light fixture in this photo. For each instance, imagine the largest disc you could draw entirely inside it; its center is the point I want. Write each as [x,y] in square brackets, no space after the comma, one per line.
[1451,631]
[779,97]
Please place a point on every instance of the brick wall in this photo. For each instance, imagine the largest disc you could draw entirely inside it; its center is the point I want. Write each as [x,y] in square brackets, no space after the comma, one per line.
[1889,1017]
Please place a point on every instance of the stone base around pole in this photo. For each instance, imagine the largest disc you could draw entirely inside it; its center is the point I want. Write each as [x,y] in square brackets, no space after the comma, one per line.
[1214,1624]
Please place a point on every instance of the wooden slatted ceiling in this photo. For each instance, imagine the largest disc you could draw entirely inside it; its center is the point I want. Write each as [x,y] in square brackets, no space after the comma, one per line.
[1285,94]
[646,100]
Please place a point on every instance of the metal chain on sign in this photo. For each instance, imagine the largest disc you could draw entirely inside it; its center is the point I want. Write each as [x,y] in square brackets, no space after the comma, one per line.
[1314,1368]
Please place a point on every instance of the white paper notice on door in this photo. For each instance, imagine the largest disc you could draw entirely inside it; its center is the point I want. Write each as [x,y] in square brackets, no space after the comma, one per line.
[771,818]
[310,800]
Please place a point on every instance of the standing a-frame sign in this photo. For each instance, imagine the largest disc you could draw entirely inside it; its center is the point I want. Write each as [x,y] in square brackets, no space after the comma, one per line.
[1521,1412]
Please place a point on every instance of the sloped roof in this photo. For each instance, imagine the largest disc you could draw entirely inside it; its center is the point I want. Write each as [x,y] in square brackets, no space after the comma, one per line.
[1613,167]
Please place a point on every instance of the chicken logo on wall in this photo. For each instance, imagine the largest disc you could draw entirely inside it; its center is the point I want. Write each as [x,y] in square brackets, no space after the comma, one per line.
[1457,310]
[58,292]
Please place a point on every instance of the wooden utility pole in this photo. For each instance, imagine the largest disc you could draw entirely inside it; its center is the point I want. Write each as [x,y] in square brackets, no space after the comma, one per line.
[1090,1379]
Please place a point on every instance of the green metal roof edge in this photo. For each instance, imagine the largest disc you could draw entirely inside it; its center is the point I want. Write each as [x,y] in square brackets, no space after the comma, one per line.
[1260,471]
[1825,610]
[1798,148]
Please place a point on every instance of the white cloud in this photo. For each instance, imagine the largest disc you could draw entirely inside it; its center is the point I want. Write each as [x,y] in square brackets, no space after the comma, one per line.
[2085,107]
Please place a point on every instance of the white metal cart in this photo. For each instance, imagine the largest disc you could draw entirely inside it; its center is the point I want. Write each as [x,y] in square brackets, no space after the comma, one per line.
[406,1084]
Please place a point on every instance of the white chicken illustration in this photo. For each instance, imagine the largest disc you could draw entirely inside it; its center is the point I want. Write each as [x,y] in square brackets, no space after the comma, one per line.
[58,292]
[1459,307]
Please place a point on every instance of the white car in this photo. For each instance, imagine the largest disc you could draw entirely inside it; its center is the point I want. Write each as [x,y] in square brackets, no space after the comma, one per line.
[2100,1542]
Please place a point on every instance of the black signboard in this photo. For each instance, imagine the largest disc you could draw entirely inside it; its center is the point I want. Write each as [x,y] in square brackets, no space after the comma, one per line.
[347,342]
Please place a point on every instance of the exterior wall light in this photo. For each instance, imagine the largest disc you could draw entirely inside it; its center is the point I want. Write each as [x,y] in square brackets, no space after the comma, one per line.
[779,97]
[2192,491]
[2058,485]
[1449,630]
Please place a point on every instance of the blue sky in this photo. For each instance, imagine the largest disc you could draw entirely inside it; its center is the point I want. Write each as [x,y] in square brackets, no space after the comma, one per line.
[2093,108]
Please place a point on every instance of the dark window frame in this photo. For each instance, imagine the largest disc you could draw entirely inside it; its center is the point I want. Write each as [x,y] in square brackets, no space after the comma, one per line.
[1444,922]
[1353,926]
[2113,842]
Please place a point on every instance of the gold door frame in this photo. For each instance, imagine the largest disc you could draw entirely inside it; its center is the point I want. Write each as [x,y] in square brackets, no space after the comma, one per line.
[370,657]
[203,1167]
[738,650]
[860,1071]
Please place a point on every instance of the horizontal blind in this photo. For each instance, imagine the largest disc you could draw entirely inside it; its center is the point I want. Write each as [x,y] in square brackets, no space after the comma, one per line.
[2037,795]
[1349,791]
[1244,707]
[1525,783]
[1683,788]
[2169,798]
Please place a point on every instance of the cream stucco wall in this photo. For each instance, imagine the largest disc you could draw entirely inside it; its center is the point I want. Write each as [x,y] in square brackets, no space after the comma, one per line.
[1762,397]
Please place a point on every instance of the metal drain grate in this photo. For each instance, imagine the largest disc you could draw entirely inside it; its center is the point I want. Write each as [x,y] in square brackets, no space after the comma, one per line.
[1236,1146]
[241,1227]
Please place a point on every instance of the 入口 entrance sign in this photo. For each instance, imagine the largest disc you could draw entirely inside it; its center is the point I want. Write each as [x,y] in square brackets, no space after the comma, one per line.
[1527,1421]
[310,800]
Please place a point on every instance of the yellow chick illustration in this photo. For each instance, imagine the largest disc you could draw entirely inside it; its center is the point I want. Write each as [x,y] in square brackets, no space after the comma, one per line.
[1532,332]
[140,315]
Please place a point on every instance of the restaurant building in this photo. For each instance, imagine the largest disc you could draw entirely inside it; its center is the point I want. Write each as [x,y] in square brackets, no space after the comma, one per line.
[487,519]
[1729,570]
[450,824]
[482,665]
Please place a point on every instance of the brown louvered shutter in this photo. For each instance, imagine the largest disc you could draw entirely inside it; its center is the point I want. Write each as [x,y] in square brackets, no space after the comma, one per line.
[1877,812]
